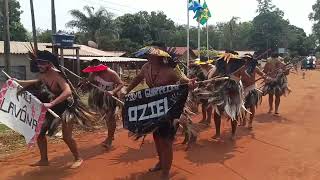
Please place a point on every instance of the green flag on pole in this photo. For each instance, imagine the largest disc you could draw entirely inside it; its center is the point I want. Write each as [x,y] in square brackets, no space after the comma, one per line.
[205,14]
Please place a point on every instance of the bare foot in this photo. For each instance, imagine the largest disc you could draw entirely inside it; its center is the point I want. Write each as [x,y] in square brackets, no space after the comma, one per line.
[233,137]
[202,121]
[107,144]
[216,137]
[76,164]
[156,168]
[192,141]
[276,114]
[41,163]
[270,111]
[165,176]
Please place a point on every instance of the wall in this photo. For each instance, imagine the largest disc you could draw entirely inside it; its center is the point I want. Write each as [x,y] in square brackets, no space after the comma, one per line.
[19,60]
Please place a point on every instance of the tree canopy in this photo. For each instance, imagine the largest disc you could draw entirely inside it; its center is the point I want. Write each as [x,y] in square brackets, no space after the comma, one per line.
[315,17]
[17,31]
[128,32]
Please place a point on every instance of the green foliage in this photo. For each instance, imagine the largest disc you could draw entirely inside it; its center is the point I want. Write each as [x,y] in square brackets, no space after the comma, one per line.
[44,36]
[17,31]
[95,25]
[212,53]
[315,17]
[132,31]
[265,6]
[269,31]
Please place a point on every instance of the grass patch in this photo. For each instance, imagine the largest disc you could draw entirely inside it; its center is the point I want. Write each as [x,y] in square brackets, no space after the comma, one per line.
[3,128]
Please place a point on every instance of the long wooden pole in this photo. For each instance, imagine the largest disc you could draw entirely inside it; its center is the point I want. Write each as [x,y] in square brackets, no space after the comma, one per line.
[34,30]
[53,25]
[6,36]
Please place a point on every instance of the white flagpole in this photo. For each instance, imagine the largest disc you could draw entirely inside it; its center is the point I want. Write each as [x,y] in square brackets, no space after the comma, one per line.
[207,41]
[188,38]
[199,38]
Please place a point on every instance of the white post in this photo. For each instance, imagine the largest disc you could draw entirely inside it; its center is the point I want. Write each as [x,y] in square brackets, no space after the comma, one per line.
[188,38]
[207,41]
[199,37]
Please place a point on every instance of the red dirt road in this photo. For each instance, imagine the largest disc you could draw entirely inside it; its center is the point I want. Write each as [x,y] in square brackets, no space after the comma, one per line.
[284,148]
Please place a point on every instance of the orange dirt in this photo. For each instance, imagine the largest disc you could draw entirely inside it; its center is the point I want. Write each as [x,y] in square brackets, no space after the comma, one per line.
[285,147]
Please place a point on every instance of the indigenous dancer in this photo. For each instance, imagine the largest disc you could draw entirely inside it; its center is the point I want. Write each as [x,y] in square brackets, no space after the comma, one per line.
[54,89]
[225,95]
[158,71]
[108,80]
[277,84]
[253,97]
[207,68]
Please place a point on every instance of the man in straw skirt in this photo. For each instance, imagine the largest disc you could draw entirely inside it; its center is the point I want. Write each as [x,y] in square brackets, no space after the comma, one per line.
[253,96]
[277,84]
[159,72]
[226,94]
[56,92]
[108,80]
[206,68]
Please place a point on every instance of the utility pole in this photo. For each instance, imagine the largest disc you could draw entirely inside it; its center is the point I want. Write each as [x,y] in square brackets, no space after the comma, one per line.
[6,37]
[34,30]
[54,26]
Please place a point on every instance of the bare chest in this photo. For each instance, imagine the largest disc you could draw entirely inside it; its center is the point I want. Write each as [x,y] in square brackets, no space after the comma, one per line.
[161,77]
[52,85]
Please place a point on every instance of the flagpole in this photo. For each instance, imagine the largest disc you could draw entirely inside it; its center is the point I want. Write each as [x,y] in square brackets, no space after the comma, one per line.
[188,38]
[199,36]
[207,41]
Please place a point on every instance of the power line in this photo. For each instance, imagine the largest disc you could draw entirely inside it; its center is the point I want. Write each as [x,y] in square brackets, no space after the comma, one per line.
[106,7]
[120,5]
[90,2]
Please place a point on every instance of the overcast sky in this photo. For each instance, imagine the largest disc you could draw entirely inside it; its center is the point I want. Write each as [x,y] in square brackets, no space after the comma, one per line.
[222,10]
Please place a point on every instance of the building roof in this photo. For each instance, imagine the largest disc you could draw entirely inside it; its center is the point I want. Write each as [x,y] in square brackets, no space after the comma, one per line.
[180,51]
[110,59]
[241,53]
[22,48]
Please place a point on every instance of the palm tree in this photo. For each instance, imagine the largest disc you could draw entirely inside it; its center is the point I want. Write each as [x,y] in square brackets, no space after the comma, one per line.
[96,25]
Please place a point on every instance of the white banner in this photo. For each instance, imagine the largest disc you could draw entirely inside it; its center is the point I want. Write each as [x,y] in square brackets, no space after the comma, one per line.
[24,114]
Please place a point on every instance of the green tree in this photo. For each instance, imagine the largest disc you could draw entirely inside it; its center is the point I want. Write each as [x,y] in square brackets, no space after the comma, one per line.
[160,26]
[265,6]
[95,25]
[298,42]
[135,27]
[44,36]
[315,17]
[17,31]
[269,30]
[121,45]
[143,28]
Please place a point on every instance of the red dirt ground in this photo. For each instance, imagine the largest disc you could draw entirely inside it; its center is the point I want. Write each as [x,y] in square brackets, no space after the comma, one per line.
[284,148]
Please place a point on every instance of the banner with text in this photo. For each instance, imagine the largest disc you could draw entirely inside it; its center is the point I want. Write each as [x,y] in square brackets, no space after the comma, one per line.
[24,113]
[145,110]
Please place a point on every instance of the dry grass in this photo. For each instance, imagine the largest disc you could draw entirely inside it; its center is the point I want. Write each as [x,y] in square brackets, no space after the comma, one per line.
[10,141]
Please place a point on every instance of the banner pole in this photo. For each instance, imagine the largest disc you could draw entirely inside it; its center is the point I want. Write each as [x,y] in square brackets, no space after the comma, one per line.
[49,110]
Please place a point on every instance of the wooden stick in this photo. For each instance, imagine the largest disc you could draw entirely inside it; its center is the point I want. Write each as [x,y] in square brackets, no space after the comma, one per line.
[212,79]
[115,98]
[49,110]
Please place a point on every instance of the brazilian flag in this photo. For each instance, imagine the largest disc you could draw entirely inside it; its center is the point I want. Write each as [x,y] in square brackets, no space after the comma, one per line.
[203,15]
